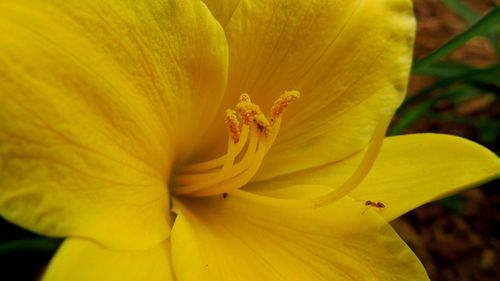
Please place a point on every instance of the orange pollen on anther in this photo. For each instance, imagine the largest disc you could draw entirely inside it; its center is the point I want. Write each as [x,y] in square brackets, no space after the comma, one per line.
[233,125]
[246,109]
[244,98]
[251,134]
[283,102]
[263,125]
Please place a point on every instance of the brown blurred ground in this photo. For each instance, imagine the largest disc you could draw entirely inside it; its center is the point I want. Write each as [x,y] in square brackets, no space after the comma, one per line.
[459,238]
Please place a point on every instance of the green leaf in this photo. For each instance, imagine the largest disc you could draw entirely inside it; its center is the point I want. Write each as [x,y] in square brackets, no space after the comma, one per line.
[483,78]
[459,69]
[410,116]
[462,10]
[39,244]
[481,27]
[472,81]
[482,123]
[471,17]
[453,203]
[446,69]
[457,100]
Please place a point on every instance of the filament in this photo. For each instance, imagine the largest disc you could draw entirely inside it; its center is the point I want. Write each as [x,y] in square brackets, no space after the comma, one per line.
[251,134]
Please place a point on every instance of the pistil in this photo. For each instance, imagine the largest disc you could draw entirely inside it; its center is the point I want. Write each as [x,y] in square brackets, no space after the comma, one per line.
[359,174]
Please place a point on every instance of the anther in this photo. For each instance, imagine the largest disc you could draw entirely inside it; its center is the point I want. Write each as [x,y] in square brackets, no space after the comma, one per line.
[246,109]
[287,98]
[245,98]
[233,125]
[262,124]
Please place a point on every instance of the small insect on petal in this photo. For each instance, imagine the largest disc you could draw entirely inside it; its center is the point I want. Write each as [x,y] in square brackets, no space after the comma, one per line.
[378,205]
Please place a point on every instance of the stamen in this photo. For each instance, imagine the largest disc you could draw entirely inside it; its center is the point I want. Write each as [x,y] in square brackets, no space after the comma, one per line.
[248,144]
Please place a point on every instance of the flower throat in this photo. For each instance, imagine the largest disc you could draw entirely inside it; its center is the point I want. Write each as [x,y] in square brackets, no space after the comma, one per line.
[251,134]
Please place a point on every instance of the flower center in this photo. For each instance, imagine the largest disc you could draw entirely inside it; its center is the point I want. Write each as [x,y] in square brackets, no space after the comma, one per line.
[251,134]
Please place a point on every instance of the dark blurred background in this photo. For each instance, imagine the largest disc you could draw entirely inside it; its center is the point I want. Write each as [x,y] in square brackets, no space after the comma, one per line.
[457,238]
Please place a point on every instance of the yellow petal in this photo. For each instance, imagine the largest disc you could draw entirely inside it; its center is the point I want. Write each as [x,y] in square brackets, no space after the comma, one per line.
[349,59]
[83,260]
[235,238]
[410,171]
[95,98]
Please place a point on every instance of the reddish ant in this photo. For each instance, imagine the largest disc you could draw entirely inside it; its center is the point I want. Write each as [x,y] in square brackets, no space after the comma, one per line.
[378,205]
[374,204]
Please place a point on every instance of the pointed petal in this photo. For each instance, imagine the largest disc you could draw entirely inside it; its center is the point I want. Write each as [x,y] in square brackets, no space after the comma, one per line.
[95,98]
[410,171]
[349,59]
[235,238]
[83,260]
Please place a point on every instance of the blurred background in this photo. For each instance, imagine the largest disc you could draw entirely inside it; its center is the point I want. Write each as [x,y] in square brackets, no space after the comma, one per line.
[454,89]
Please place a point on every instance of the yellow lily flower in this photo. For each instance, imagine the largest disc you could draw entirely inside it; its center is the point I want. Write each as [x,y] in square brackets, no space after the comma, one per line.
[112,130]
